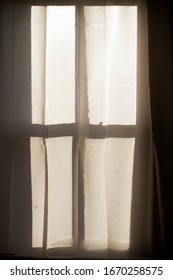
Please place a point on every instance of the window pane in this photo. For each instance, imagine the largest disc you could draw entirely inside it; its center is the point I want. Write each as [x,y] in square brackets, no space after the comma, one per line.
[60,65]
[108,166]
[59,153]
[111,43]
[53,64]
[96,61]
[119,158]
[38,36]
[38,189]
[95,195]
[59,161]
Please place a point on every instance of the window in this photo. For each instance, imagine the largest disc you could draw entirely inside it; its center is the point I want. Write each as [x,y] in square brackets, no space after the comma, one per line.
[75,128]
[106,69]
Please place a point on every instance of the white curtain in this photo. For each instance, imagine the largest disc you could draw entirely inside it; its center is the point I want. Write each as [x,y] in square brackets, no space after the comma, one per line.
[75,130]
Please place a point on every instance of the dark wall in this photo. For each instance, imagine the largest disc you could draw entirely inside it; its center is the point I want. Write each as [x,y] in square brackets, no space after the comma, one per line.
[161,90]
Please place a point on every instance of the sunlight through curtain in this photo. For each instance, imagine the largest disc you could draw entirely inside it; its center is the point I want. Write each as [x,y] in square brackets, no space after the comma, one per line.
[75,120]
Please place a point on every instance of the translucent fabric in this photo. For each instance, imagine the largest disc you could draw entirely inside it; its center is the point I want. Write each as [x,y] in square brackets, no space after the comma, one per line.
[108,172]
[59,181]
[59,160]
[53,64]
[111,42]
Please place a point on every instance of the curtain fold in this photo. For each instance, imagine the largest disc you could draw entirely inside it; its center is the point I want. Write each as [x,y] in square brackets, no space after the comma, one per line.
[161,87]
[158,207]
[86,190]
[143,163]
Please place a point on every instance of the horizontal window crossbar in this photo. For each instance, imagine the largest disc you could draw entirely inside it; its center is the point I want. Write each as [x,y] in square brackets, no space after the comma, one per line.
[37,130]
[117,131]
[60,130]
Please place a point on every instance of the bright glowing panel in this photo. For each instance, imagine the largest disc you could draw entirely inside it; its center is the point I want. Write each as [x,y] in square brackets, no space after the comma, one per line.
[38,47]
[111,41]
[60,65]
[37,151]
[59,156]
[53,64]
[95,212]
[108,166]
[119,158]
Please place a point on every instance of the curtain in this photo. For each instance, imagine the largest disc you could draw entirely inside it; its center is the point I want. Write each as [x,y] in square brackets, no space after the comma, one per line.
[76,145]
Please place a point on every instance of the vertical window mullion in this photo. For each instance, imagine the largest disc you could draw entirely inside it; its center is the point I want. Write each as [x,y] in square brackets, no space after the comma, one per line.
[75,142]
[45,221]
[82,121]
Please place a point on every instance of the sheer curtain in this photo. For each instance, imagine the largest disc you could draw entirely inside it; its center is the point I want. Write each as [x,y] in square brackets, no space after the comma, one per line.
[76,149]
